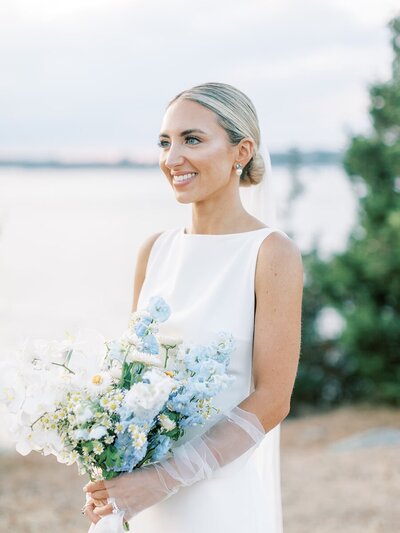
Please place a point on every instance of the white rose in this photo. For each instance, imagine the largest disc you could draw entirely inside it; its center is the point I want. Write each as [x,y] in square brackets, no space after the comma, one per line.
[147,399]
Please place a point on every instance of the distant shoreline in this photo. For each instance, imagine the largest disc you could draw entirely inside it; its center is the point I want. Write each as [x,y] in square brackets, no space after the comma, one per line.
[293,158]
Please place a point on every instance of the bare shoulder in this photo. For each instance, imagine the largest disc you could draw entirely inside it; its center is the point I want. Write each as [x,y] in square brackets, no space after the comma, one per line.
[141,265]
[145,248]
[279,262]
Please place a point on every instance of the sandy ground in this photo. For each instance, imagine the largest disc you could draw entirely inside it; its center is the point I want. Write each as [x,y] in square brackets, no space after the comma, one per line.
[323,491]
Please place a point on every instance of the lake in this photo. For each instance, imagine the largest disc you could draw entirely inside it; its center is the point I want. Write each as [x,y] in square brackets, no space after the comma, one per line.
[69,238]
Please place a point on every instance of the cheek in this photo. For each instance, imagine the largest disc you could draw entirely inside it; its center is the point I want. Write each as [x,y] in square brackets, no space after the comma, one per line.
[211,156]
[161,164]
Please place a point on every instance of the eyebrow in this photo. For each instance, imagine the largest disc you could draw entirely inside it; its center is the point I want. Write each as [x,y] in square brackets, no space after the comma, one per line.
[186,132]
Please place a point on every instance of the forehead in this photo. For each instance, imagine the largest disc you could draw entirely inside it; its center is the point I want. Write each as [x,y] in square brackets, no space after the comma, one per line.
[185,114]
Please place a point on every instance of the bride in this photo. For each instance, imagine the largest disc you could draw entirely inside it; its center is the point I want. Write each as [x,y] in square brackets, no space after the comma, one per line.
[230,270]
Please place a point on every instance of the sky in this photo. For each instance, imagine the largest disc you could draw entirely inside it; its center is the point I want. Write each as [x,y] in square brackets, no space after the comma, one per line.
[91,78]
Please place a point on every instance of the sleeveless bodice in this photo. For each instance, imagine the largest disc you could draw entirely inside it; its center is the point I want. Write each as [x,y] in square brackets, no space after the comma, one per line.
[209,283]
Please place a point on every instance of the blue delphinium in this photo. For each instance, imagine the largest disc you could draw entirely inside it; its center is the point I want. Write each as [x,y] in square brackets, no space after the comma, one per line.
[151,344]
[223,346]
[142,326]
[158,308]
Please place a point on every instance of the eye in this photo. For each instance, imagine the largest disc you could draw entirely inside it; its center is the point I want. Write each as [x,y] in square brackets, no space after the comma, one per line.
[161,143]
[191,137]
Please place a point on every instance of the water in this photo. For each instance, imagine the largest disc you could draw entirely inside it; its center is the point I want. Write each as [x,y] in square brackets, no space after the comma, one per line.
[69,240]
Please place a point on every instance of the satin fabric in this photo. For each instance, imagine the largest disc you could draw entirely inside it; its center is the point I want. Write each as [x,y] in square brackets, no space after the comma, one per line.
[208,280]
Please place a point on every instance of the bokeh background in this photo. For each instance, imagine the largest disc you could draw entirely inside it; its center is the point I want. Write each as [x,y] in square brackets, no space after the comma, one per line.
[84,85]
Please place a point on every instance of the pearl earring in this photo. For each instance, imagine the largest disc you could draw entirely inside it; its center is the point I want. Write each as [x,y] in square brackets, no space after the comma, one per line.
[238,169]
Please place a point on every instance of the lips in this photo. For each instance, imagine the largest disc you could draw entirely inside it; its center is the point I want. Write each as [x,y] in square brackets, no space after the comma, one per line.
[179,179]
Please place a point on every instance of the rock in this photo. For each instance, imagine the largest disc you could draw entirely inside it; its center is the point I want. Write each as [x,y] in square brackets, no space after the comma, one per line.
[383,436]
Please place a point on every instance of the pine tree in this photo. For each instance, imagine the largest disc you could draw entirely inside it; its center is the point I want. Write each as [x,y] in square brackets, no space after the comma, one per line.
[362,283]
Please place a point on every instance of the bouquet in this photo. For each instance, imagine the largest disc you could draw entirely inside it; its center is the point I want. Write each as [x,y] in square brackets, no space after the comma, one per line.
[113,406]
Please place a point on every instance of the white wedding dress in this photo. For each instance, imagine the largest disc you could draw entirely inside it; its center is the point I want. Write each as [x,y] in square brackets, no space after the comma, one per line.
[208,281]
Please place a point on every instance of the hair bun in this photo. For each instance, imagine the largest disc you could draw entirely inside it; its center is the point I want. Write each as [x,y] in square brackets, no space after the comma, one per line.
[253,172]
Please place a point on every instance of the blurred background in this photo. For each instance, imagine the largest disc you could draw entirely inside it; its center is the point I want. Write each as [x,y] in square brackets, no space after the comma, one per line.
[84,85]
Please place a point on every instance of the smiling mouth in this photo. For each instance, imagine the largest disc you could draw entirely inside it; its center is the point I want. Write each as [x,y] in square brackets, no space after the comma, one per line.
[185,178]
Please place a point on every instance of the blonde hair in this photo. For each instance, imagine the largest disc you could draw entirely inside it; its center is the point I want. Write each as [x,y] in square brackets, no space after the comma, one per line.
[236,114]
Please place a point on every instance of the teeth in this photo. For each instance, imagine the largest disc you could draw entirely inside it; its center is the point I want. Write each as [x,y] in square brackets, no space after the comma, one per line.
[184,177]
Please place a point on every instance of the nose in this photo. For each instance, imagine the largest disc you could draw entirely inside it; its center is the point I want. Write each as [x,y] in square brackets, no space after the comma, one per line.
[174,157]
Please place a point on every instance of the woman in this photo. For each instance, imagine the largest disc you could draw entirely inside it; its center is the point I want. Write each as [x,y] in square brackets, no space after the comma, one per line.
[228,271]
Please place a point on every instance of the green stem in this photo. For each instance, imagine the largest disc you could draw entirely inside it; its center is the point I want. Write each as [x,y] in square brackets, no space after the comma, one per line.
[64,366]
[37,420]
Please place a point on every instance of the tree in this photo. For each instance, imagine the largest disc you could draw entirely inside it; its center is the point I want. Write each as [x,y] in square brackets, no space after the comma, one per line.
[362,283]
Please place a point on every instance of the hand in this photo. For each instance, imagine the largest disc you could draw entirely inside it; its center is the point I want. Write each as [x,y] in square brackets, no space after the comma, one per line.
[133,492]
[90,505]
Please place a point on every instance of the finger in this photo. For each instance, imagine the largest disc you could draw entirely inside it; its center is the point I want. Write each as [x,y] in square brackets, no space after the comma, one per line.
[100,503]
[103,511]
[88,512]
[99,495]
[94,485]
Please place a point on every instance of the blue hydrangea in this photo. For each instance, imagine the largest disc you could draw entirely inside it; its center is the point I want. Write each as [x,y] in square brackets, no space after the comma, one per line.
[158,308]
[131,455]
[194,419]
[164,444]
[127,417]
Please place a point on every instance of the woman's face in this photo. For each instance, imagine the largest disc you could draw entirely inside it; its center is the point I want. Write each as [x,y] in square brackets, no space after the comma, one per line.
[192,141]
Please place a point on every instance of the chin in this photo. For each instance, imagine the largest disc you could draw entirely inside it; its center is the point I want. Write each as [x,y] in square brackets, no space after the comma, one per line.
[184,200]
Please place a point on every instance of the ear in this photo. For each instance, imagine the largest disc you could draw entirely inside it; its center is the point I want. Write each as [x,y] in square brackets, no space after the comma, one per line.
[244,151]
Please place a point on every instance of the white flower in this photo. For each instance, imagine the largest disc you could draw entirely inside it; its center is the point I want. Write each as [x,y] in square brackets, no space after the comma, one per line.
[83,414]
[166,422]
[97,432]
[24,442]
[99,382]
[80,434]
[139,440]
[145,358]
[129,337]
[12,388]
[116,372]
[98,448]
[147,399]
[169,341]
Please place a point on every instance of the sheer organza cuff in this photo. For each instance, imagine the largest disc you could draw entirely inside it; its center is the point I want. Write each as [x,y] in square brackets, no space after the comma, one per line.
[221,450]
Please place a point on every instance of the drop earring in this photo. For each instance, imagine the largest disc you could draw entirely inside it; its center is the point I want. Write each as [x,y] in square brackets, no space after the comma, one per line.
[238,169]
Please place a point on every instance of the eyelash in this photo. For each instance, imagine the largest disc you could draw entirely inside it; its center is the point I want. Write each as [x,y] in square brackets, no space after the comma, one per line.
[161,145]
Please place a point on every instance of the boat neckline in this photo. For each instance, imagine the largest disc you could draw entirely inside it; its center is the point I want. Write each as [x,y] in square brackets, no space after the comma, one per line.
[221,234]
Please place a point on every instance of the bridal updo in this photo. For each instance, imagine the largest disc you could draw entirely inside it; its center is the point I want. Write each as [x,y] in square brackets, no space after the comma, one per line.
[236,114]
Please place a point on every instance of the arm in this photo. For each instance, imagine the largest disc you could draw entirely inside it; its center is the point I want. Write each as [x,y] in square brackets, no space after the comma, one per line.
[277,329]
[279,284]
